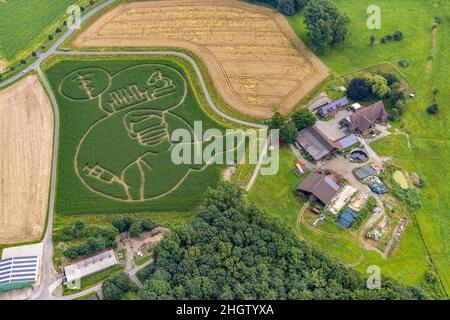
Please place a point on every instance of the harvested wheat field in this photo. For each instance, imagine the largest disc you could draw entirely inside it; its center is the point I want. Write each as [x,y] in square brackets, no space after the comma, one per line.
[255,59]
[26,141]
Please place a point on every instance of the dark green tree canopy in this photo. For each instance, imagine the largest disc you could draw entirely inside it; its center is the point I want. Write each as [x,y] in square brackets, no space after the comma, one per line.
[327,27]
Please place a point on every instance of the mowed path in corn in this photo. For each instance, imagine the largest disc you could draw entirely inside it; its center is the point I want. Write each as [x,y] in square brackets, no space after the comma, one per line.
[254,58]
[26,141]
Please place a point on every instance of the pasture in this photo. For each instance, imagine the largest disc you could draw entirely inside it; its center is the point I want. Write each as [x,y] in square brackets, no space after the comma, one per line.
[26,149]
[254,58]
[428,135]
[117,116]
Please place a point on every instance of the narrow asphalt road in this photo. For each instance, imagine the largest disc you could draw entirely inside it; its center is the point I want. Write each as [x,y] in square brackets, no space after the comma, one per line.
[48,274]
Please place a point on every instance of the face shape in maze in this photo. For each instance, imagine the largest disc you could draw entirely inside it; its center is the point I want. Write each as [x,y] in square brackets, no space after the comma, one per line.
[127,154]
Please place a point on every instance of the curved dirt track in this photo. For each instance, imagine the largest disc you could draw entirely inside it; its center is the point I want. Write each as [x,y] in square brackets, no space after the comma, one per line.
[26,145]
[255,59]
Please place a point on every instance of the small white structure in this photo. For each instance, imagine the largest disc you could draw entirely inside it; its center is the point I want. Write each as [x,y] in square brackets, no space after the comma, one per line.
[90,266]
[412,95]
[356,106]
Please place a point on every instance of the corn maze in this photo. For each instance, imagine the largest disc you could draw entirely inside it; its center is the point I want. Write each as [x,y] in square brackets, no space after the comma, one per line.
[117,119]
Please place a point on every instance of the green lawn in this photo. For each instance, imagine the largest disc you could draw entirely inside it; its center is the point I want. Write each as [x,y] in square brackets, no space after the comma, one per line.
[429,137]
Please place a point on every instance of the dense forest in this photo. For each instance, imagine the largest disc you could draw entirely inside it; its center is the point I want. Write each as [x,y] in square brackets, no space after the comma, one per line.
[233,250]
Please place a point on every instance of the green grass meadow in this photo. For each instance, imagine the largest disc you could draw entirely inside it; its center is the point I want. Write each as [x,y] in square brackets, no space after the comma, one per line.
[78,116]
[425,246]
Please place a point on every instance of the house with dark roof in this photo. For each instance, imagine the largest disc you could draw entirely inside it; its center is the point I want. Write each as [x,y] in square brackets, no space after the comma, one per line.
[313,141]
[320,186]
[365,118]
[332,108]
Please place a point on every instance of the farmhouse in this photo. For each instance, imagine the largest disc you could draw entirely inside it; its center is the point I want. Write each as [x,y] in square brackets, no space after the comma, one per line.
[319,186]
[332,108]
[319,146]
[90,266]
[365,118]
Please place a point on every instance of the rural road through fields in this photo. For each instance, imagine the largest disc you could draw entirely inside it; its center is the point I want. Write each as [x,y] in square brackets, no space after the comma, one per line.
[48,274]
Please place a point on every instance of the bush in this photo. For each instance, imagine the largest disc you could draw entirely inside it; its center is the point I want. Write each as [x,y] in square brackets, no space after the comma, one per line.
[288,130]
[390,77]
[122,223]
[303,118]
[148,224]
[408,196]
[71,253]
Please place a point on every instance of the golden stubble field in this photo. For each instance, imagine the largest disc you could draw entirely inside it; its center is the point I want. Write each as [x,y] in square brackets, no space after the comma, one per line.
[26,144]
[255,59]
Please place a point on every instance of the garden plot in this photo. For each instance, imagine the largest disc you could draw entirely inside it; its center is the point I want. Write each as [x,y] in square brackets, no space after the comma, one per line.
[255,60]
